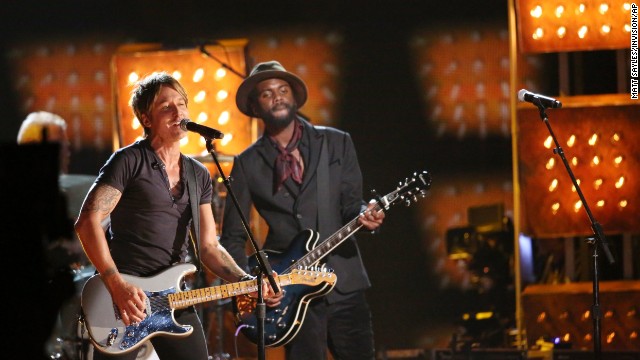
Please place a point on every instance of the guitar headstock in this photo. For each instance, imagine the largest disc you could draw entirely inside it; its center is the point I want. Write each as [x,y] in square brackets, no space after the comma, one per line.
[312,277]
[410,190]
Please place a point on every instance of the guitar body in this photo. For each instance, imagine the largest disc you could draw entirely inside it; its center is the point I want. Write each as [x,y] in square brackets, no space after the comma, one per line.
[109,334]
[282,322]
[105,327]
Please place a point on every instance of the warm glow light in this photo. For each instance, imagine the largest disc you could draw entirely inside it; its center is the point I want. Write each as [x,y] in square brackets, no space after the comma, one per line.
[593,139]
[200,96]
[548,142]
[555,207]
[581,8]
[577,206]
[571,141]
[202,117]
[610,337]
[600,203]
[626,6]
[550,163]
[622,203]
[220,73]
[573,187]
[221,95]
[561,32]
[573,21]
[627,28]
[595,160]
[615,137]
[536,12]
[133,77]
[226,139]
[483,315]
[554,185]
[633,335]
[597,183]
[566,337]
[198,75]
[620,182]
[538,34]
[617,160]
[224,117]
[582,32]
[574,161]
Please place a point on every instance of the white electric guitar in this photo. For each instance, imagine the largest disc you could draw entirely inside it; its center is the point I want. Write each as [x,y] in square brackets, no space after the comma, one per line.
[108,332]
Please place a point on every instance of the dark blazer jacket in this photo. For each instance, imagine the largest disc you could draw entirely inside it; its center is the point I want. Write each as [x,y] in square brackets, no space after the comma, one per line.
[294,207]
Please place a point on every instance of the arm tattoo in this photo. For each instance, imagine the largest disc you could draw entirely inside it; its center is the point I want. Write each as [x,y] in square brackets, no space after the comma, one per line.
[102,199]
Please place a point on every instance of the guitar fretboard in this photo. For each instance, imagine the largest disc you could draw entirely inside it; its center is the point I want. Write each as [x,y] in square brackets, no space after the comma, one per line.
[183,299]
[324,248]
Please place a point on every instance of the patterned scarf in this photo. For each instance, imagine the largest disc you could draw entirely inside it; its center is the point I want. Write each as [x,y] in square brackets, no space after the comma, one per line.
[286,164]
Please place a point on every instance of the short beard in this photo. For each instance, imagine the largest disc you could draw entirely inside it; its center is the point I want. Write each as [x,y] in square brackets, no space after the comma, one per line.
[281,122]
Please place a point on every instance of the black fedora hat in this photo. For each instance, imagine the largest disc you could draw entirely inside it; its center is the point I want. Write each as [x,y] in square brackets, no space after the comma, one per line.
[269,70]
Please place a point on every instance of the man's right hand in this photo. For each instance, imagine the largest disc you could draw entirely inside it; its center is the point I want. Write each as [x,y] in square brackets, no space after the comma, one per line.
[129,299]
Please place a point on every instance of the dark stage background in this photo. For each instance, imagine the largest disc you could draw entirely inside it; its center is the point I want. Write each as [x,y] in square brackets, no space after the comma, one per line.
[381,106]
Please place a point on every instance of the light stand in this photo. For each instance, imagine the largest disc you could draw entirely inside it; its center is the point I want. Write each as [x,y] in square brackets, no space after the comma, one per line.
[599,237]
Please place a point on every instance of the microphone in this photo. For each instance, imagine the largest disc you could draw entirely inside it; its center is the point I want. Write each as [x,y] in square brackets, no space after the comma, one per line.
[205,131]
[537,99]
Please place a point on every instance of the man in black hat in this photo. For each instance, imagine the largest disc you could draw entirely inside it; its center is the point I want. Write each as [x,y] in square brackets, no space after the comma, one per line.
[298,177]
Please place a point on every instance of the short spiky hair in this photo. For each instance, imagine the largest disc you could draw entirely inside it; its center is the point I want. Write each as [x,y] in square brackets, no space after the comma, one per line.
[146,90]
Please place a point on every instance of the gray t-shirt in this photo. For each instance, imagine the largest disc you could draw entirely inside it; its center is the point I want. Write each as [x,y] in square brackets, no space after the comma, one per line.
[149,226]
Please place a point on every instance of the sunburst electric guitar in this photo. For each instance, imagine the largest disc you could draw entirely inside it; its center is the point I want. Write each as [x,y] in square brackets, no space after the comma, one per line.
[283,322]
[109,334]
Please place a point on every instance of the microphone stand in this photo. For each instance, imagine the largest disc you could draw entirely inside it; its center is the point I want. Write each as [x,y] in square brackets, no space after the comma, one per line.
[593,241]
[264,268]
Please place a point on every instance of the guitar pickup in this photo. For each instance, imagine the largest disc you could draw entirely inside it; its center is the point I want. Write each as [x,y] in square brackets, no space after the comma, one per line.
[113,334]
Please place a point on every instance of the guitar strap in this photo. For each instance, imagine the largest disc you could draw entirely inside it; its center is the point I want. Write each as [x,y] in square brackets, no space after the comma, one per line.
[323,185]
[194,197]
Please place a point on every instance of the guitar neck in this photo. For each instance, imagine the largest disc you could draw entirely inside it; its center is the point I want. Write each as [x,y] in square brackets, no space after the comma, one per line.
[324,248]
[184,299]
